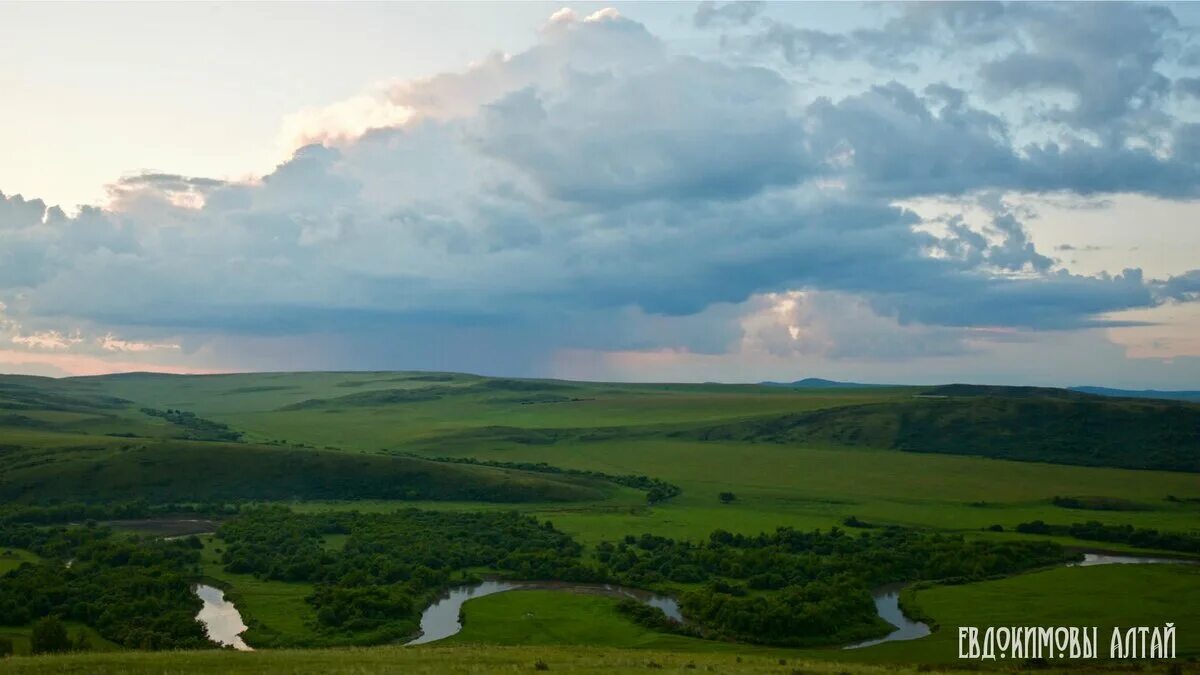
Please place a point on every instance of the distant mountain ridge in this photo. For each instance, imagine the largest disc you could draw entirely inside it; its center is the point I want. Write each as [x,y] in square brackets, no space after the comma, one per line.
[999,390]
[1140,393]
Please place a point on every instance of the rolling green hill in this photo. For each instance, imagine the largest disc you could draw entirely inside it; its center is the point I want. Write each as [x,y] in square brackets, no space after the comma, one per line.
[194,471]
[68,440]
[1021,423]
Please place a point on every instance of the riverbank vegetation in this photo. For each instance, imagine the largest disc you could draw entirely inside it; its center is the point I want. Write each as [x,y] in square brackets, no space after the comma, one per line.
[134,592]
[788,588]
[1141,537]
[373,588]
[796,588]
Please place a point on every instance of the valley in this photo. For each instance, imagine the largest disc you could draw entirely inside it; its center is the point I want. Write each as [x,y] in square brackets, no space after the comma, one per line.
[332,508]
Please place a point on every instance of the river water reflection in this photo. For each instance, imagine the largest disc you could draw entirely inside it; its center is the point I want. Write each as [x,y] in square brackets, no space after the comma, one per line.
[220,618]
[887,606]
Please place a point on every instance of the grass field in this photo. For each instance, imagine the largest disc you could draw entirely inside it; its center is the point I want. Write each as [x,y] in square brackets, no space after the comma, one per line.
[1102,596]
[274,612]
[56,437]
[818,487]
[809,486]
[558,618]
[466,660]
[11,558]
[20,638]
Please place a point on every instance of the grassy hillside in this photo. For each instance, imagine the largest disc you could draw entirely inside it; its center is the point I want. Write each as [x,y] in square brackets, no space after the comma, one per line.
[369,411]
[195,471]
[69,440]
[1019,423]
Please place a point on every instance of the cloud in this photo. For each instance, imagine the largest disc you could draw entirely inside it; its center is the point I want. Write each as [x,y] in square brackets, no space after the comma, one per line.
[1188,86]
[1105,61]
[50,339]
[1105,56]
[111,343]
[1183,287]
[599,191]
[682,129]
[710,13]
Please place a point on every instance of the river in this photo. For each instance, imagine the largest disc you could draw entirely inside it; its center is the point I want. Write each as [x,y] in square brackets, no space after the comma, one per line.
[887,598]
[441,619]
[221,619]
[887,606]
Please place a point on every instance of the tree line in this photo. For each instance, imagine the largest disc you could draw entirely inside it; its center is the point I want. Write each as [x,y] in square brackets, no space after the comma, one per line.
[136,592]
[797,588]
[374,587]
[1141,537]
[656,489]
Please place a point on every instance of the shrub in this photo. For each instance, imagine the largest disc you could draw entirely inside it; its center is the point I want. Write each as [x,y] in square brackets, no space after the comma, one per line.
[49,635]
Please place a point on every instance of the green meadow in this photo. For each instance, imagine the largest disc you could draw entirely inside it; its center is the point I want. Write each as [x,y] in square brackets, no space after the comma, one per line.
[12,558]
[457,659]
[1104,596]
[804,459]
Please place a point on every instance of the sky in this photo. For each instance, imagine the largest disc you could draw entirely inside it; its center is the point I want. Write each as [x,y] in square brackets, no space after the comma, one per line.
[907,193]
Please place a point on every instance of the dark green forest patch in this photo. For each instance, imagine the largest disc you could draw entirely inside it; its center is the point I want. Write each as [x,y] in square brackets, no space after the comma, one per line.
[1068,429]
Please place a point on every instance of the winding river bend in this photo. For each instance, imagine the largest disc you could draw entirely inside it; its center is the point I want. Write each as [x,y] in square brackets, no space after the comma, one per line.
[441,619]
[887,606]
[887,598]
[221,619]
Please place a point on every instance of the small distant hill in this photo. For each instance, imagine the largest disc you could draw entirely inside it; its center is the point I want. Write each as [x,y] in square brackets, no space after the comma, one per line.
[819,383]
[1140,393]
[529,391]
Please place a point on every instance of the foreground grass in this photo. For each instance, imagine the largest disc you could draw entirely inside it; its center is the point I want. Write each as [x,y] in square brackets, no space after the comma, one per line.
[20,637]
[431,660]
[1104,596]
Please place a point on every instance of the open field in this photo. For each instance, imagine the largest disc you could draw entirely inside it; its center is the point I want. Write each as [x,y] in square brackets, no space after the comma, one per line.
[466,660]
[819,486]
[11,558]
[558,618]
[812,485]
